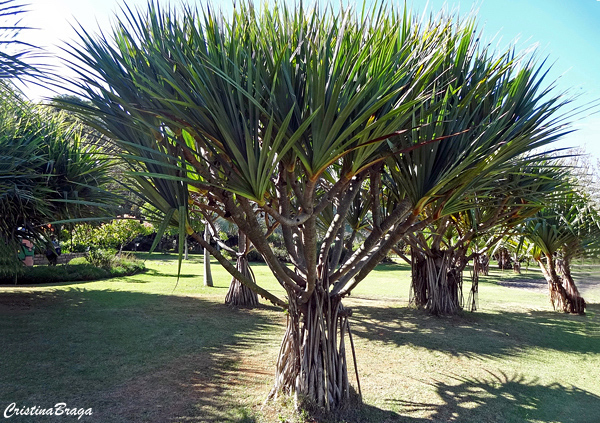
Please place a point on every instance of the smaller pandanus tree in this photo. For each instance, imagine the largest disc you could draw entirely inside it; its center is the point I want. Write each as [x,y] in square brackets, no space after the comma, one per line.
[442,251]
[492,114]
[563,231]
[238,295]
[489,143]
[48,173]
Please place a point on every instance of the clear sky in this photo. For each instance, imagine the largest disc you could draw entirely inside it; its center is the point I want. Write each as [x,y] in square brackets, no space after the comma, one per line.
[566,31]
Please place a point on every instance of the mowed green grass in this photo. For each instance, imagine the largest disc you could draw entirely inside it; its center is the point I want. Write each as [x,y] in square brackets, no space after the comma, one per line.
[149,348]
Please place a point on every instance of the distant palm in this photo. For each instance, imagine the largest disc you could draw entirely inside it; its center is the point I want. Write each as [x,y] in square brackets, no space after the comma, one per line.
[46,173]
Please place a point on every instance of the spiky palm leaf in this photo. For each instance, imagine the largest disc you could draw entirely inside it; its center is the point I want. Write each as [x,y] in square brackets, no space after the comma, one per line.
[15,55]
[494,113]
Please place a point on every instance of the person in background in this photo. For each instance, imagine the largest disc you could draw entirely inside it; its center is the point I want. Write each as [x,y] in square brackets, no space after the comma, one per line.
[27,252]
[52,252]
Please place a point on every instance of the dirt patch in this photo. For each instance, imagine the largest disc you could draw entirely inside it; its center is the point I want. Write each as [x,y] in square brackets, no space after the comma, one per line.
[160,396]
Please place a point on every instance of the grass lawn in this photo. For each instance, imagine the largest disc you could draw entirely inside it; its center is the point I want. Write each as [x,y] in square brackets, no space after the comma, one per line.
[147,348]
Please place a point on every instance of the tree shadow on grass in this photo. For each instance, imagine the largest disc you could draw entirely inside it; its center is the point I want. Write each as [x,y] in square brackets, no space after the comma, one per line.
[503,398]
[480,334]
[131,357]
[498,398]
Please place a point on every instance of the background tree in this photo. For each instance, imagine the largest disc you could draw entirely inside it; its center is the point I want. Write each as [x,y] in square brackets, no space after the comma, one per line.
[239,295]
[561,232]
[441,252]
[46,173]
[492,112]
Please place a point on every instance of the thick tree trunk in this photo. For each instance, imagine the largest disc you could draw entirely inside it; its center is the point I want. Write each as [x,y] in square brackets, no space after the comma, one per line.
[504,260]
[564,295]
[516,265]
[577,303]
[437,282]
[239,295]
[418,287]
[312,362]
[483,262]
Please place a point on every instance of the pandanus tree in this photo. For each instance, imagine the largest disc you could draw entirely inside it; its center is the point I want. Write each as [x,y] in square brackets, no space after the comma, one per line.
[238,295]
[276,117]
[565,230]
[12,65]
[21,187]
[454,240]
[46,174]
[492,113]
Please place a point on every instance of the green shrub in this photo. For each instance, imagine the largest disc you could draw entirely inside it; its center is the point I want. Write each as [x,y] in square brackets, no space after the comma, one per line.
[254,257]
[114,234]
[100,257]
[280,253]
[126,264]
[75,272]
[54,274]
[78,260]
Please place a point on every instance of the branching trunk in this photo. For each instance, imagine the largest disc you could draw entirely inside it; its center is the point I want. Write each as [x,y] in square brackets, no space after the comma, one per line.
[239,295]
[437,282]
[563,292]
[312,362]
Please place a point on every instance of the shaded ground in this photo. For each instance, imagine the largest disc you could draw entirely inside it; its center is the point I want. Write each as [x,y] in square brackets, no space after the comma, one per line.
[130,357]
[143,357]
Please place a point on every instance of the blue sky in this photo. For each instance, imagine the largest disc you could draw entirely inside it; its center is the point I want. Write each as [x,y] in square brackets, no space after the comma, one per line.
[565,31]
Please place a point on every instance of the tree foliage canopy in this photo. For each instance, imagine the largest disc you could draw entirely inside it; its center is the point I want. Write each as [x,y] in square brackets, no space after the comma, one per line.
[289,112]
